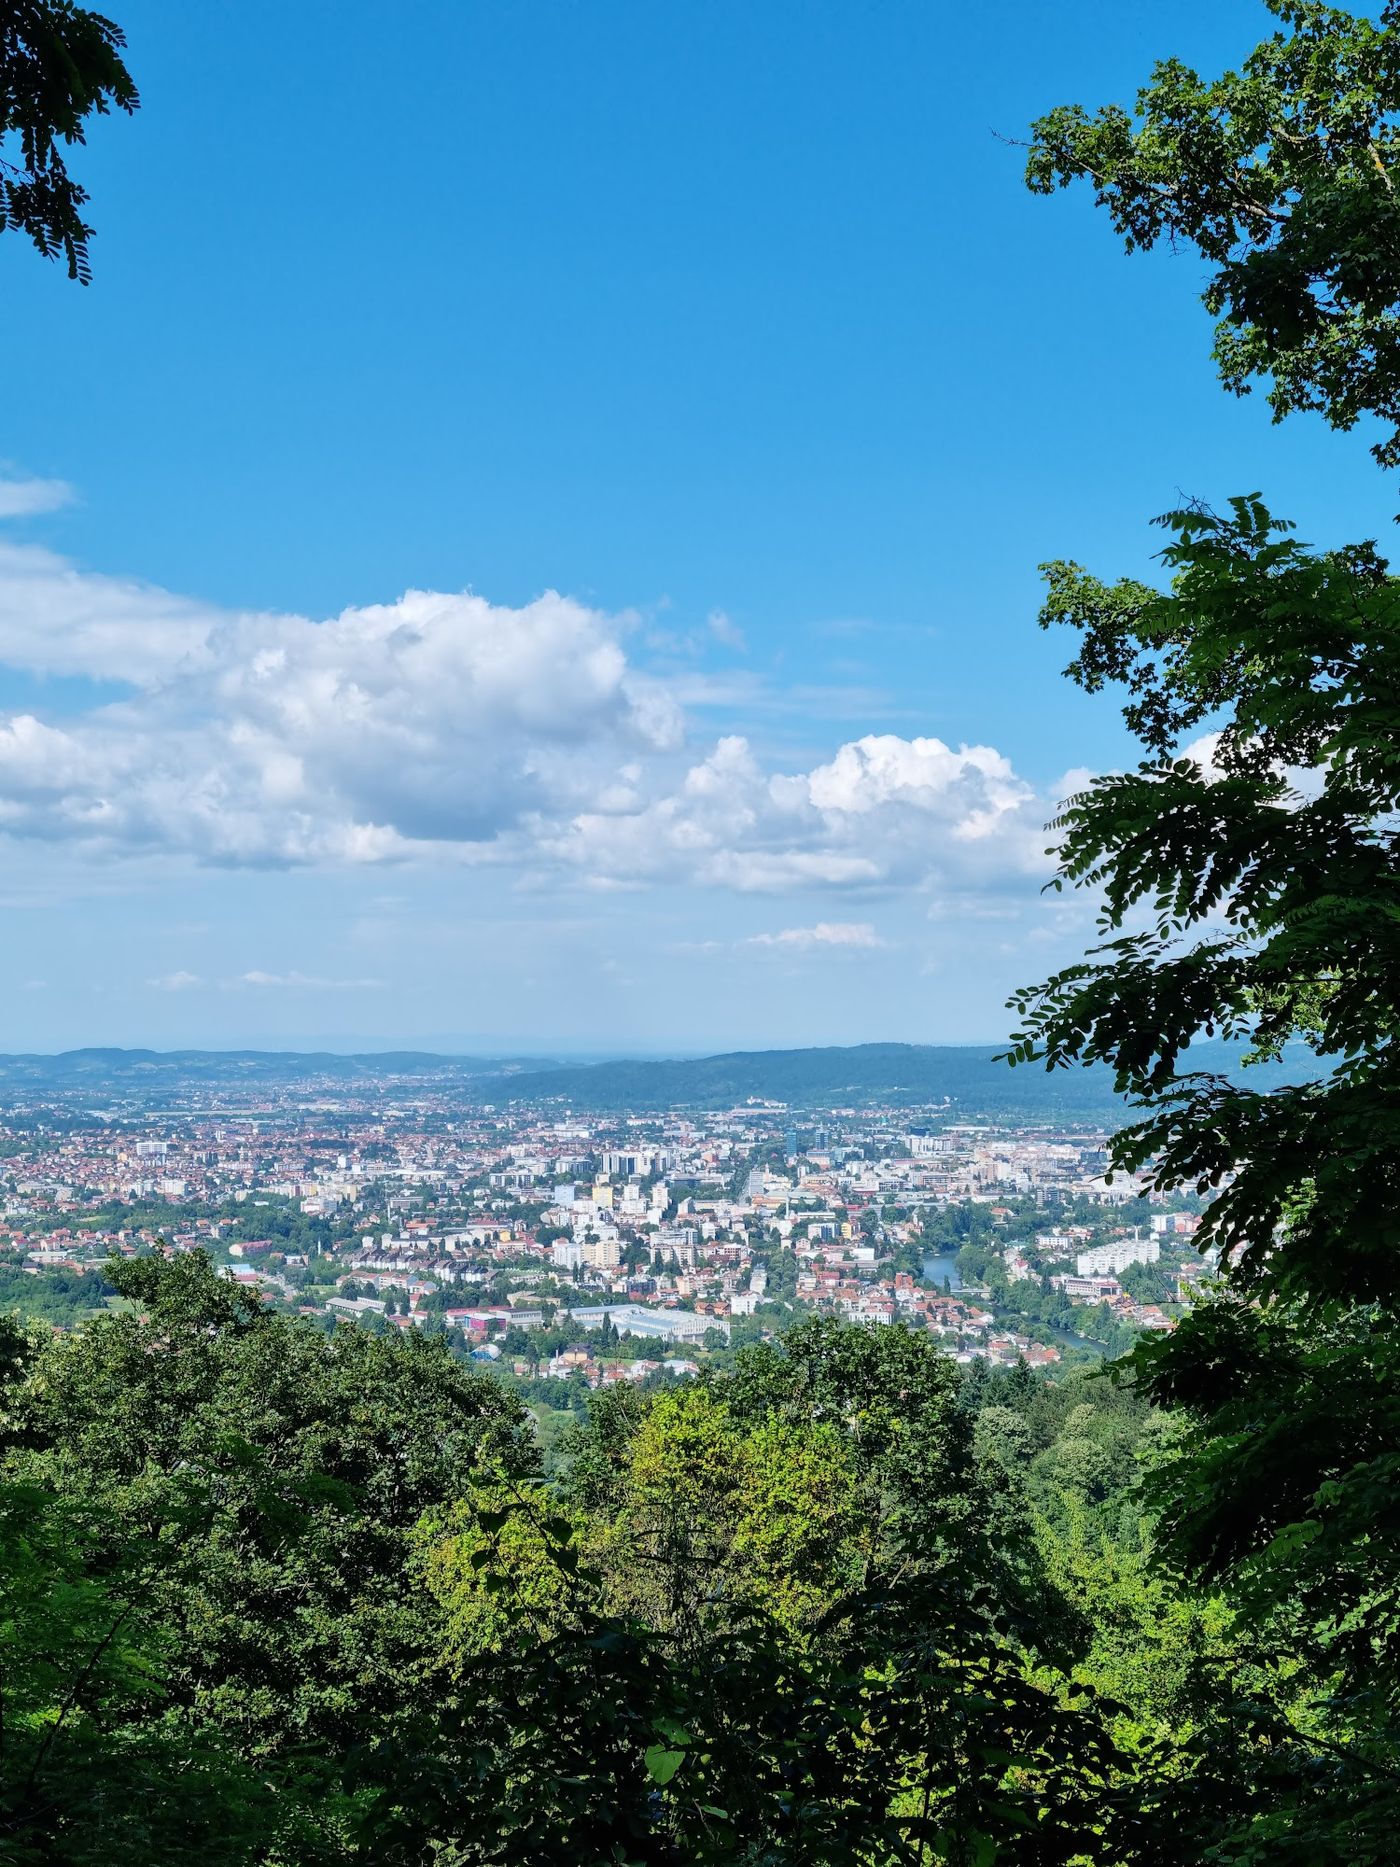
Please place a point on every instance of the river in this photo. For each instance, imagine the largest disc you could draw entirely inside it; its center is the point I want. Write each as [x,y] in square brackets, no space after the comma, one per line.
[938,1265]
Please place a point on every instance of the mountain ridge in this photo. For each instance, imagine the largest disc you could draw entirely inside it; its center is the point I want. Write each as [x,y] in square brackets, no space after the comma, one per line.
[966,1076]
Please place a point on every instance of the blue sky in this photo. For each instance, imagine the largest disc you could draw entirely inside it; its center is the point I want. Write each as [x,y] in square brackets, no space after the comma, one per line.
[731,325]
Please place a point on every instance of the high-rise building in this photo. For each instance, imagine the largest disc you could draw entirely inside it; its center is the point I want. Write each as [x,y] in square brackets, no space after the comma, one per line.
[1108,1259]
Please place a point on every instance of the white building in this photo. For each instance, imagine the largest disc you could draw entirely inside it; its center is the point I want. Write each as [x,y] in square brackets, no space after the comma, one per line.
[1108,1260]
[1054,1244]
[634,1163]
[670,1325]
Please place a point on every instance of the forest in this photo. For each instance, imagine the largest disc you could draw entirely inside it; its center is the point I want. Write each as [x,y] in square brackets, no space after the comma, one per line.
[274,1596]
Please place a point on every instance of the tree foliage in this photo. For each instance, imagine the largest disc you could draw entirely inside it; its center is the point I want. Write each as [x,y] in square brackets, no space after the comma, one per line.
[1250,886]
[1285,177]
[1248,871]
[236,1499]
[60,64]
[271,1596]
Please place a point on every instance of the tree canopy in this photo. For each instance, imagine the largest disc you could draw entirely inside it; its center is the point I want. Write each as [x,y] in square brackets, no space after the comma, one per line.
[60,64]
[1248,876]
[1285,177]
[273,1597]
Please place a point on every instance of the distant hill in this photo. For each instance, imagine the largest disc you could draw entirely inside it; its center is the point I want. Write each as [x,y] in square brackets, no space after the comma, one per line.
[137,1068]
[896,1075]
[899,1075]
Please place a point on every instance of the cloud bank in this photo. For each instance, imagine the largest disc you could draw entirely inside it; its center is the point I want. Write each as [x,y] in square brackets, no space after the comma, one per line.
[442,727]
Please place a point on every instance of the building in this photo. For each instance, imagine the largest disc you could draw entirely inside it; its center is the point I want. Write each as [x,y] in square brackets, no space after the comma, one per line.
[1109,1259]
[1175,1224]
[668,1325]
[633,1163]
[601,1254]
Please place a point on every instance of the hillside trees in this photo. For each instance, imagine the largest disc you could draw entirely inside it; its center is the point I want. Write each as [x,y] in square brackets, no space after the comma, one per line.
[842,1612]
[87,1775]
[273,1597]
[229,1507]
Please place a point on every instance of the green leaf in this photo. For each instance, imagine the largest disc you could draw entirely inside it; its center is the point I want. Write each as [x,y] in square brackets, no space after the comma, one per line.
[662,1764]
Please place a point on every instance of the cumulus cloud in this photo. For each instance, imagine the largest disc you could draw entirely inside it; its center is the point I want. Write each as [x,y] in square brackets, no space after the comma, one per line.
[1305,783]
[825,933]
[444,727]
[57,619]
[24,498]
[437,719]
[176,982]
[883,810]
[1202,754]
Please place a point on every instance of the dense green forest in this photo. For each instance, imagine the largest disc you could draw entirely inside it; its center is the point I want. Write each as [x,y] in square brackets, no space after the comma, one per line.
[894,1073]
[60,1297]
[273,1596]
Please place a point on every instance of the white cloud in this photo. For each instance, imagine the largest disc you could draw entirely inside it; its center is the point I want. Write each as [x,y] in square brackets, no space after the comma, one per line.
[25,498]
[57,619]
[443,727]
[1305,783]
[725,630]
[883,811]
[1070,783]
[176,982]
[825,933]
[1202,754]
[438,719]
[304,981]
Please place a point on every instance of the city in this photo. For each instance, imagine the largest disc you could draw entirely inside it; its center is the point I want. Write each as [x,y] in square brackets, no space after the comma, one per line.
[591,1249]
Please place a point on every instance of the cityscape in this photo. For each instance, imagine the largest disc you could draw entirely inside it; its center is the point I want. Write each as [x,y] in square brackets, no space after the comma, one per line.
[558,1245]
